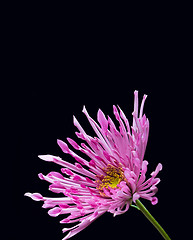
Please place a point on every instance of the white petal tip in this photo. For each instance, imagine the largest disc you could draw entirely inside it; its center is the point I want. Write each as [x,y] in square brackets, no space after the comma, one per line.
[160,166]
[47,157]
[84,109]
[34,196]
[27,194]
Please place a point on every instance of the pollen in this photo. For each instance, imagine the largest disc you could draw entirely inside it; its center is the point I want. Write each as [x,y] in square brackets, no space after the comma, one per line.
[113,176]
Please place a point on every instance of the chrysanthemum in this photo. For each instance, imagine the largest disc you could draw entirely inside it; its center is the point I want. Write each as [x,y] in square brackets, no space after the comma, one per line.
[111,180]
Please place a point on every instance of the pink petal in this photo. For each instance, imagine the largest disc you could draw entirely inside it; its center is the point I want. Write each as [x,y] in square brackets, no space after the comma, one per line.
[136,102]
[142,106]
[73,143]
[136,196]
[67,171]
[34,196]
[55,174]
[54,212]
[63,146]
[102,120]
[77,178]
[47,157]
[78,165]
[92,163]
[158,168]
[154,200]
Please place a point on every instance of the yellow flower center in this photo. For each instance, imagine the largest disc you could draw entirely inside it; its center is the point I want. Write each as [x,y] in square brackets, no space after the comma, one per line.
[112,178]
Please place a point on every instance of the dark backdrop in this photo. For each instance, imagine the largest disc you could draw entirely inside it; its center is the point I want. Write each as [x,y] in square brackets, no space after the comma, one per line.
[61,67]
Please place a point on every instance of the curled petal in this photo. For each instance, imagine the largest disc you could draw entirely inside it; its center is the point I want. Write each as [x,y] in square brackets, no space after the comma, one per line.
[136,196]
[158,168]
[34,196]
[154,200]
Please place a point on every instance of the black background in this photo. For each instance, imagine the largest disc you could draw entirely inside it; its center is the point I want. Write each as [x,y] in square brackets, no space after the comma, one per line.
[61,63]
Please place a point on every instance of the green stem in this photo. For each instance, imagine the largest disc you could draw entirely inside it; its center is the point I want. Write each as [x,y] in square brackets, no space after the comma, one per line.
[152,220]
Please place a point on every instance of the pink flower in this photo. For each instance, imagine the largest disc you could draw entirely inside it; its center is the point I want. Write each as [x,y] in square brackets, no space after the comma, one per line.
[113,178]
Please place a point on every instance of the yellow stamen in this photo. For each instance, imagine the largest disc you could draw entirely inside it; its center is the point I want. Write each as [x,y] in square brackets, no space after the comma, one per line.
[112,178]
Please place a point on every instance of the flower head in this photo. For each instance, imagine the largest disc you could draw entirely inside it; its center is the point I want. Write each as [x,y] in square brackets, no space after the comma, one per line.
[112,178]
